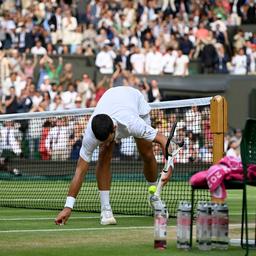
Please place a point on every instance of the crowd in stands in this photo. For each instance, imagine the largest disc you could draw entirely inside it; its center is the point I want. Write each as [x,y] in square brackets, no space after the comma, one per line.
[144,36]
[125,39]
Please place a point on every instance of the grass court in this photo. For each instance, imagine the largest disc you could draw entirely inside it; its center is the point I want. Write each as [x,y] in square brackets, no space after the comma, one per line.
[32,232]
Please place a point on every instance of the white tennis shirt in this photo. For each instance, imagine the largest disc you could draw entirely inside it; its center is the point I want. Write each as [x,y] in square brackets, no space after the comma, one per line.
[129,112]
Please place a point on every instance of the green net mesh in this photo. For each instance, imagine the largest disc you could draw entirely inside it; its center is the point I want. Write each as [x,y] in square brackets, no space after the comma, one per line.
[39,153]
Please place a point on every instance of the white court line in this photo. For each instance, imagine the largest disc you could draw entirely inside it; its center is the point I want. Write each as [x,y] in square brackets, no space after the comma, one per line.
[90,217]
[74,229]
[232,226]
[81,217]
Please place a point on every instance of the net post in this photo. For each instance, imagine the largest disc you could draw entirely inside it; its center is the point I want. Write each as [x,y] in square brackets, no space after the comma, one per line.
[218,122]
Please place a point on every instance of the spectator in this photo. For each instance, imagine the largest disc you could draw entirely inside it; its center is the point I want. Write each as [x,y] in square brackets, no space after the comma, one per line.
[100,90]
[221,63]
[44,154]
[239,40]
[219,35]
[154,94]
[181,64]
[78,102]
[252,59]
[250,16]
[202,32]
[46,85]
[57,104]
[11,102]
[193,121]
[119,76]
[35,127]
[89,36]
[233,148]
[4,67]
[208,54]
[25,102]
[138,62]
[122,57]
[186,46]
[15,61]
[239,63]
[69,96]
[105,60]
[69,25]
[36,98]
[86,89]
[57,141]
[67,75]
[45,103]
[55,24]
[28,66]
[10,144]
[76,140]
[169,61]
[38,49]
[52,71]
[15,81]
[153,60]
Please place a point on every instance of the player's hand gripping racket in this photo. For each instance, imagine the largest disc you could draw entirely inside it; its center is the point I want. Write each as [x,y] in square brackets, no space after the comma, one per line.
[172,148]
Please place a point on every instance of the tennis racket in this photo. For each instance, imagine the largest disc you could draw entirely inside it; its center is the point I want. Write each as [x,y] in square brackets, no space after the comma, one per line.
[172,148]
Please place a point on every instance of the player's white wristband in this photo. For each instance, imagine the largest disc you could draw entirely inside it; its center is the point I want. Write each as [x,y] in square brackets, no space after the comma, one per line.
[70,201]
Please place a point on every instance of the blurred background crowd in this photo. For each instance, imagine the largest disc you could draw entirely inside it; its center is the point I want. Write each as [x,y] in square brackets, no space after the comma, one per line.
[127,40]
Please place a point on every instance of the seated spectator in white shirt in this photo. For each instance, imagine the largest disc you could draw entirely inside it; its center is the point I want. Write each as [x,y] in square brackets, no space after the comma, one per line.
[45,86]
[69,22]
[233,148]
[153,60]
[239,63]
[57,104]
[105,60]
[10,139]
[13,81]
[69,97]
[181,64]
[169,61]
[138,62]
[38,49]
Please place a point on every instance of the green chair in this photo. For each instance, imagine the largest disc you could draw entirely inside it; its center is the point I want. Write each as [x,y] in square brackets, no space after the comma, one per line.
[248,155]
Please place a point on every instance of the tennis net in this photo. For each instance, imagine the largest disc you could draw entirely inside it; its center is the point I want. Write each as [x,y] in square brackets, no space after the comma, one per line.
[39,153]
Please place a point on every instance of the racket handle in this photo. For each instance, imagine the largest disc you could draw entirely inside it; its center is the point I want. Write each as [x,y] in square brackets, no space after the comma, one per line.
[160,184]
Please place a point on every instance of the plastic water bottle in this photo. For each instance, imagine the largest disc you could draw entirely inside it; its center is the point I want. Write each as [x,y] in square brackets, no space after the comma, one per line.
[223,222]
[183,225]
[178,226]
[156,202]
[215,225]
[203,225]
[160,226]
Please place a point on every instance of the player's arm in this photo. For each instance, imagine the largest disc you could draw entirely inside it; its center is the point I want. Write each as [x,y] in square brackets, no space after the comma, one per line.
[76,183]
[161,139]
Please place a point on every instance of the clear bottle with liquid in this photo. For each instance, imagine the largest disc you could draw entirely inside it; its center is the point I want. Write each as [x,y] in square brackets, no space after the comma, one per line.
[203,225]
[160,228]
[223,222]
[183,227]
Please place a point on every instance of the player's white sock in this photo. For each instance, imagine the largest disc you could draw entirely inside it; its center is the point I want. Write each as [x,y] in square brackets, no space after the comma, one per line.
[105,199]
[152,183]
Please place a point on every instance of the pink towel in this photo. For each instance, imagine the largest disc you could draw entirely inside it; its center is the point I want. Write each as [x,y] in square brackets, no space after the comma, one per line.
[228,168]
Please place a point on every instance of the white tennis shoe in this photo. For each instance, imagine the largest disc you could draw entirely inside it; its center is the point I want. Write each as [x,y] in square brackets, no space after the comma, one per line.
[106,216]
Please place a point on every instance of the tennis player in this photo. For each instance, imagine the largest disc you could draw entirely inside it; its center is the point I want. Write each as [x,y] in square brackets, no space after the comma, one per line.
[120,113]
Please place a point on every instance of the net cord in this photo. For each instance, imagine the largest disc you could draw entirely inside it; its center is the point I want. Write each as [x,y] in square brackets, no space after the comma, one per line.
[77,112]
